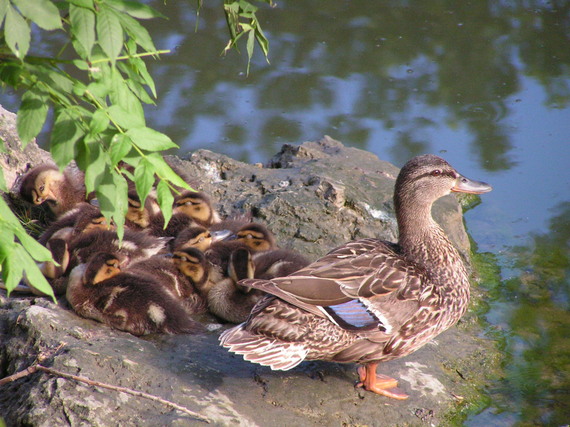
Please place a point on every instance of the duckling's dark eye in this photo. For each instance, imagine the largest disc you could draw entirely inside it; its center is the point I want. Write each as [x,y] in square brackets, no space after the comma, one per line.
[42,188]
[436,172]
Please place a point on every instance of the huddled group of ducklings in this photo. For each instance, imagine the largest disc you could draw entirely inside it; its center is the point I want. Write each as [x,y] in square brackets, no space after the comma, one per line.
[156,278]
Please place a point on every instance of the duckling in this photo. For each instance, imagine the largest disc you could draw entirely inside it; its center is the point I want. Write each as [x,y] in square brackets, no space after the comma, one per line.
[53,270]
[176,273]
[134,247]
[62,191]
[227,299]
[367,301]
[138,217]
[150,218]
[198,237]
[82,218]
[253,236]
[129,302]
[277,263]
[193,264]
[196,205]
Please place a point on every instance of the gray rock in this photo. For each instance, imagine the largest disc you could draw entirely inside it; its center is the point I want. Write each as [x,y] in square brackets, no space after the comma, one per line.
[314,197]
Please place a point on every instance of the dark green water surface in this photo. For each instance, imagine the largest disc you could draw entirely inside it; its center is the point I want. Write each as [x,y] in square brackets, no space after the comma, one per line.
[484,84]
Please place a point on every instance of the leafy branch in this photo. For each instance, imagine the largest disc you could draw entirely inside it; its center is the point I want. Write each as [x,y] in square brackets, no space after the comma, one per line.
[96,98]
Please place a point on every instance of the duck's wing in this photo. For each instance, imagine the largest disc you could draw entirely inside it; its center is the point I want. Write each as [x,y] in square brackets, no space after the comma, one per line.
[351,284]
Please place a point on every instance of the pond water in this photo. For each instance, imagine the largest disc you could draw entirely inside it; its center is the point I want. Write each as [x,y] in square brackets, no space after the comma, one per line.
[486,85]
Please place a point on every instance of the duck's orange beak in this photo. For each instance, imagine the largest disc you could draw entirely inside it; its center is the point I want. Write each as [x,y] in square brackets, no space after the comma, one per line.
[465,185]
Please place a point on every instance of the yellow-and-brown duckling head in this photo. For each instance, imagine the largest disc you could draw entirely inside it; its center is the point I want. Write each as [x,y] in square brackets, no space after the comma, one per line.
[367,301]
[257,237]
[192,263]
[61,191]
[130,302]
[197,206]
[198,237]
[139,216]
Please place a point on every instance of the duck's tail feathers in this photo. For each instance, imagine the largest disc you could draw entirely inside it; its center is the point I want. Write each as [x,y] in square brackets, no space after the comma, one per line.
[278,355]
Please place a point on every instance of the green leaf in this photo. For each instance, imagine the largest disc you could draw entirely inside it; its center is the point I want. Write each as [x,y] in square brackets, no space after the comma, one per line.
[137,32]
[17,33]
[56,79]
[165,200]
[95,170]
[83,3]
[42,12]
[109,32]
[3,9]
[64,136]
[135,9]
[121,145]
[83,26]
[112,197]
[98,89]
[12,267]
[121,95]
[99,122]
[124,118]
[34,275]
[10,72]
[35,249]
[144,179]
[150,140]
[31,115]
[164,171]
[3,186]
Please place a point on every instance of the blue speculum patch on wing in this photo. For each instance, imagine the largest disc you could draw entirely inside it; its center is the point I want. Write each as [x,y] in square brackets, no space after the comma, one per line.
[353,315]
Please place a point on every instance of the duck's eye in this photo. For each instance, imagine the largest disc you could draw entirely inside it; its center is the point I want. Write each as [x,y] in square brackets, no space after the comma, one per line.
[436,172]
[201,239]
[42,188]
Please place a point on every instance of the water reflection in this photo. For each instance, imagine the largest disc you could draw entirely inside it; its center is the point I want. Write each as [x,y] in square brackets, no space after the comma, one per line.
[352,67]
[534,307]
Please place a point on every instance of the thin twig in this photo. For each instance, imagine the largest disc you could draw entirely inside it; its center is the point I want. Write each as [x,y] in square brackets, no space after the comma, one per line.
[37,367]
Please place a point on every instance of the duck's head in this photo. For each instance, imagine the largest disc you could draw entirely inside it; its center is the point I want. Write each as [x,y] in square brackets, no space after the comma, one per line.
[193,264]
[198,237]
[137,213]
[102,266]
[91,219]
[426,178]
[42,184]
[257,237]
[197,206]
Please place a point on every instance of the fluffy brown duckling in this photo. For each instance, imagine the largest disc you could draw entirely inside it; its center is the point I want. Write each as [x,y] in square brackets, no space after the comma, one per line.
[177,274]
[196,205]
[227,299]
[135,246]
[61,191]
[129,302]
[277,263]
[198,237]
[84,217]
[188,211]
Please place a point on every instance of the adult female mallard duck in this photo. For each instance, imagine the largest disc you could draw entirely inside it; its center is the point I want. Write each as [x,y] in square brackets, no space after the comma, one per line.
[367,301]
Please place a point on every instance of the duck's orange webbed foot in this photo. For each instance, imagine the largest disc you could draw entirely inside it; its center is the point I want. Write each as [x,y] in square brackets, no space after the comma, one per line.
[380,384]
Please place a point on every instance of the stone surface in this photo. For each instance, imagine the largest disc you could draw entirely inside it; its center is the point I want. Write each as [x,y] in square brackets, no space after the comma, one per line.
[314,197]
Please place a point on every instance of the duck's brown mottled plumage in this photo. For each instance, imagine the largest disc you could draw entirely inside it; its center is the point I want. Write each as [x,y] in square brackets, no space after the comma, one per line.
[367,301]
